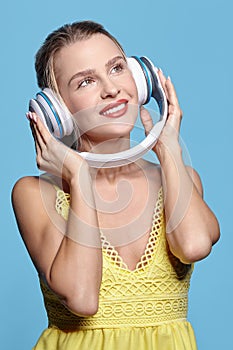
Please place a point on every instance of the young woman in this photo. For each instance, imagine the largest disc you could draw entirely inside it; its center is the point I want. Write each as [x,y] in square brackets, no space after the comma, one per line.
[114,247]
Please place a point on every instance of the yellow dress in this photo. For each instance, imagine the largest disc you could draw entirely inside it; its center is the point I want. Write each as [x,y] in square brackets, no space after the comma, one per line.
[143,309]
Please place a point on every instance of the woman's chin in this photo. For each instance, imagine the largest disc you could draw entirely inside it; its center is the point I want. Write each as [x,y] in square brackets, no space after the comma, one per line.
[111,142]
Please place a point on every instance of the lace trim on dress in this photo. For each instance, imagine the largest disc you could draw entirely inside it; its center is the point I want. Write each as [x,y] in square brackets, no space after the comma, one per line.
[62,203]
[112,253]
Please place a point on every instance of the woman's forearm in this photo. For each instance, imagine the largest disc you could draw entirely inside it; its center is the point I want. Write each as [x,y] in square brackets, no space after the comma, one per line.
[191,226]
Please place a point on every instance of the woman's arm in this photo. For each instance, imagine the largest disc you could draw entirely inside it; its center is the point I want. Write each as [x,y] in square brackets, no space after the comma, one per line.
[68,254]
[191,226]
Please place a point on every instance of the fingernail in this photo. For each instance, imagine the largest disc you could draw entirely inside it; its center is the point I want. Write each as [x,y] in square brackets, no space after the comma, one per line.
[29,115]
[169,78]
[160,69]
[34,117]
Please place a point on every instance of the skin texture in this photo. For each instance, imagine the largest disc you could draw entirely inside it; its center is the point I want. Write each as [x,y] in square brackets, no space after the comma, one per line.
[68,254]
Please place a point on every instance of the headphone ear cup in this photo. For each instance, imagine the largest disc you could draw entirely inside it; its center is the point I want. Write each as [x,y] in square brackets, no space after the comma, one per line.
[53,113]
[142,79]
[156,87]
[35,106]
[63,113]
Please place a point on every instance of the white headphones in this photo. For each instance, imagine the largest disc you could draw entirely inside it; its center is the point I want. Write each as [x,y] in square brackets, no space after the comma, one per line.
[58,119]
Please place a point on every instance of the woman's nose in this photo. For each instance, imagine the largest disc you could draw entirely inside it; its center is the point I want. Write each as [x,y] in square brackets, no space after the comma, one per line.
[109,89]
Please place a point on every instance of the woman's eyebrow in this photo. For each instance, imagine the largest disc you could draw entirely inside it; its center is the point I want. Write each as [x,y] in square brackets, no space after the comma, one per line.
[81,74]
[114,60]
[93,71]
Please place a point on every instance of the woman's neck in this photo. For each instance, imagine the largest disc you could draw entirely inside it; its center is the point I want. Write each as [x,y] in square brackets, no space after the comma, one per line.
[110,146]
[105,146]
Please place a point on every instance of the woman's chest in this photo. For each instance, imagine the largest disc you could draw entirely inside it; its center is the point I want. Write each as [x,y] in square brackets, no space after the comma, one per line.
[125,215]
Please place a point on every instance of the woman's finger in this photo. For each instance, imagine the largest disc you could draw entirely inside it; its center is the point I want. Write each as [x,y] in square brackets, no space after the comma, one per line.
[40,140]
[40,128]
[169,89]
[174,111]
[38,132]
[171,93]
[163,79]
[146,120]
[37,145]
[43,130]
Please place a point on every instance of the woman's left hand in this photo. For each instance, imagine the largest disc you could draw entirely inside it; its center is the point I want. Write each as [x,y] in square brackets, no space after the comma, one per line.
[169,138]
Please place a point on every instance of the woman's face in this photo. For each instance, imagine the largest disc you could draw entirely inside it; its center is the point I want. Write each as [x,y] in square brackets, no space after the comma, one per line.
[97,87]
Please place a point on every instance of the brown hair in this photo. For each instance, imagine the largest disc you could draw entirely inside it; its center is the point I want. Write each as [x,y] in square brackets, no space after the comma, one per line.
[64,36]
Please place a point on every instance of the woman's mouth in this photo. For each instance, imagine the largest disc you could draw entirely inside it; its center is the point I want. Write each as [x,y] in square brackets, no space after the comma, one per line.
[115,110]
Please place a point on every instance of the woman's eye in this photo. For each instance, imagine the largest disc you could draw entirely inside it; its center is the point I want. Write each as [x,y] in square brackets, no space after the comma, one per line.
[117,68]
[85,82]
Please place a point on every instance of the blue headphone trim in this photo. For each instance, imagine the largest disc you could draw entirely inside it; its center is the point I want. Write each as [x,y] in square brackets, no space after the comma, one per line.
[58,120]
[145,69]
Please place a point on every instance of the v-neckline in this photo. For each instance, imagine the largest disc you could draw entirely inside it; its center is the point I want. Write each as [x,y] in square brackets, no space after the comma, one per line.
[157,221]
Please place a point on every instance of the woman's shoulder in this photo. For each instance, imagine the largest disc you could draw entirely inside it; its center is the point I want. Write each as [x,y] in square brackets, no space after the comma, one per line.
[24,186]
[29,188]
[32,183]
[33,202]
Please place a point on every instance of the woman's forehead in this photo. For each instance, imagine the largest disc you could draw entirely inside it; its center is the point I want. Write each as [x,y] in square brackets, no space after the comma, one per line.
[86,54]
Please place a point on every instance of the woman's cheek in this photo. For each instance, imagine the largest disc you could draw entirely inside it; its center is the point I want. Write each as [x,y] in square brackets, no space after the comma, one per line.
[86,118]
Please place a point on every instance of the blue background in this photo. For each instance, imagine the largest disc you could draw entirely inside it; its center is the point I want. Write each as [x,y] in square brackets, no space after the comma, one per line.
[189,40]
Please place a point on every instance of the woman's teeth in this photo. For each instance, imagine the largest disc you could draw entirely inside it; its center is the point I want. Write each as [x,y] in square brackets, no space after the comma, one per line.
[114,109]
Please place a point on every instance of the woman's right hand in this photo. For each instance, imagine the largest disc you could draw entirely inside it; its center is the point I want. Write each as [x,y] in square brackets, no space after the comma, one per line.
[54,156]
